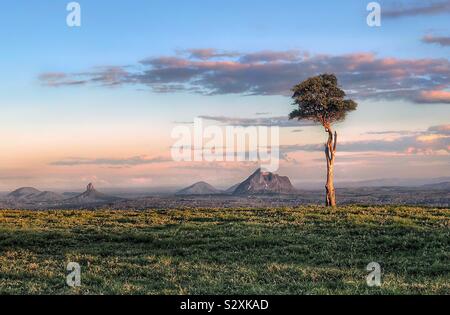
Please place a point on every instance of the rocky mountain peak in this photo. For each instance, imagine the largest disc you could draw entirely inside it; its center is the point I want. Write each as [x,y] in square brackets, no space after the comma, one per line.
[90,187]
[91,195]
[200,188]
[261,182]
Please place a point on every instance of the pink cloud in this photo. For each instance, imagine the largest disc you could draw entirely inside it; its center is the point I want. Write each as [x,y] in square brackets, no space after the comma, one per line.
[209,71]
[435,96]
[412,8]
[434,140]
[209,53]
[441,129]
[440,40]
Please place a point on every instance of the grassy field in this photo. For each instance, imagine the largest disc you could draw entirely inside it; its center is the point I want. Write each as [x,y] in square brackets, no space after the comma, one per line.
[306,250]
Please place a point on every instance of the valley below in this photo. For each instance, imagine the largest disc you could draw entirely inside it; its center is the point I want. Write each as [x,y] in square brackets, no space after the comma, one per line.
[423,196]
[260,189]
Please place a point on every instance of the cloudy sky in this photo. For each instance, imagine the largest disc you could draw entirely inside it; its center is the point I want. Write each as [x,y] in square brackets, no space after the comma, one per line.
[98,102]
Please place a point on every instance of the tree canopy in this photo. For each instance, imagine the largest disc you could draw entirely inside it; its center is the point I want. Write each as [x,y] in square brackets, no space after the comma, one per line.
[320,99]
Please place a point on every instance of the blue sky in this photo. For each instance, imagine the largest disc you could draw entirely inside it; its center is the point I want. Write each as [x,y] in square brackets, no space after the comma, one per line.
[47,123]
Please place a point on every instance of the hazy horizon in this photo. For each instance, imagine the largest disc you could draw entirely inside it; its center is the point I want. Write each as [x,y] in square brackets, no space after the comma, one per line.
[301,185]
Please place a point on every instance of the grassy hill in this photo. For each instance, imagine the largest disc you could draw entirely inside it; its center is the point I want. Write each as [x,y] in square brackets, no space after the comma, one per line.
[305,250]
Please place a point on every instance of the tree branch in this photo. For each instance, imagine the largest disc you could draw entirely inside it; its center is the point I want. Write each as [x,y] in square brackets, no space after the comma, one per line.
[335,142]
[327,152]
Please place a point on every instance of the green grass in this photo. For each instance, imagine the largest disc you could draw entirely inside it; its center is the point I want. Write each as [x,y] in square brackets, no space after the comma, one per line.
[305,250]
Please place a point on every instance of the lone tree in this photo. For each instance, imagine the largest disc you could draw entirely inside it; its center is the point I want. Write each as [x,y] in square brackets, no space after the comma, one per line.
[321,100]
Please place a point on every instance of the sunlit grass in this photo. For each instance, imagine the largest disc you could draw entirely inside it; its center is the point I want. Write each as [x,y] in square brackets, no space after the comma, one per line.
[305,250]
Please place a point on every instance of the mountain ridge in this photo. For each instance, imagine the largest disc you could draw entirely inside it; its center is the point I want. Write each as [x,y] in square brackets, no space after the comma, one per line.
[31,194]
[199,188]
[260,183]
[91,195]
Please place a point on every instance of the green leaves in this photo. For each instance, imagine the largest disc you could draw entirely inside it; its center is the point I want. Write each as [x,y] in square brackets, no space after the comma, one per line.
[320,99]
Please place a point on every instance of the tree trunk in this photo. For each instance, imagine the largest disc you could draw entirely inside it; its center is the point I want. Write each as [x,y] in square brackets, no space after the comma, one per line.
[330,151]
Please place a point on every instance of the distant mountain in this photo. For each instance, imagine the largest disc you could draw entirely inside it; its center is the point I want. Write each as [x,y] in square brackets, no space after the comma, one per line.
[47,196]
[69,194]
[443,185]
[30,194]
[23,193]
[392,182]
[200,188]
[232,188]
[265,183]
[91,195]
